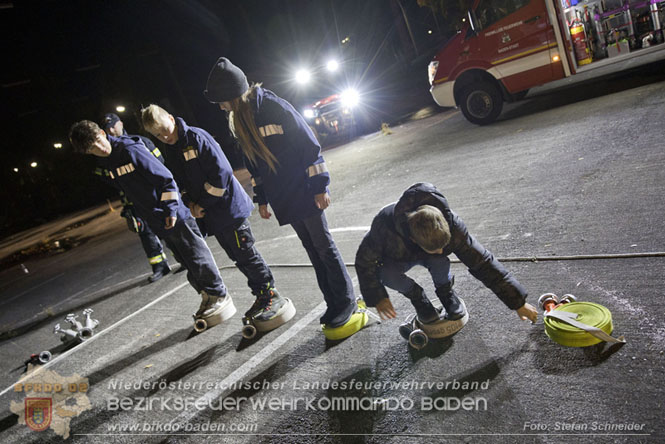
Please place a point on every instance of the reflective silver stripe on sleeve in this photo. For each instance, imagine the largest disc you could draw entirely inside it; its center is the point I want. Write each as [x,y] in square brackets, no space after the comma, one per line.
[219,192]
[319,168]
[257,181]
[125,169]
[190,153]
[271,130]
[169,195]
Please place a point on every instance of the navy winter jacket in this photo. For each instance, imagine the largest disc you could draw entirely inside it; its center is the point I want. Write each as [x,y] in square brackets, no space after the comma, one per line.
[206,178]
[301,171]
[389,238]
[147,183]
[103,173]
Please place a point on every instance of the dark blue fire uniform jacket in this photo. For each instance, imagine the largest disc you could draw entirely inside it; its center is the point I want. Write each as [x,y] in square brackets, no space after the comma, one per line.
[205,177]
[104,174]
[389,238]
[301,171]
[147,183]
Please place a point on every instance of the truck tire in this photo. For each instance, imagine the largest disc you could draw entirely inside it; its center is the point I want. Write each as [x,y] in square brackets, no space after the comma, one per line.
[481,103]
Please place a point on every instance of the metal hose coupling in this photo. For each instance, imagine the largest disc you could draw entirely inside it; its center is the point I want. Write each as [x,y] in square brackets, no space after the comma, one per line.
[78,331]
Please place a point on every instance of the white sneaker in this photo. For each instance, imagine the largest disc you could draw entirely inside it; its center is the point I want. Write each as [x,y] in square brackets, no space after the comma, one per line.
[215,304]
[204,304]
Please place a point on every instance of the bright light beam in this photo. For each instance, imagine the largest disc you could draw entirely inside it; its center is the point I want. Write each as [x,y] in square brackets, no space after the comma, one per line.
[303,76]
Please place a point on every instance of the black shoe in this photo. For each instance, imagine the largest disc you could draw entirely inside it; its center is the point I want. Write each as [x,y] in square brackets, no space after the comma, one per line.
[451,303]
[267,304]
[334,317]
[424,309]
[159,271]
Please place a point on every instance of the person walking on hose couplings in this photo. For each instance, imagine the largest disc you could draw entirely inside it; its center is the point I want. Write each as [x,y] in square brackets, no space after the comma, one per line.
[152,189]
[113,126]
[213,194]
[288,173]
[421,229]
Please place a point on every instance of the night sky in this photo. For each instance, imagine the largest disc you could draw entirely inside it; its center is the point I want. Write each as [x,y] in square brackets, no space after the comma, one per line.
[70,60]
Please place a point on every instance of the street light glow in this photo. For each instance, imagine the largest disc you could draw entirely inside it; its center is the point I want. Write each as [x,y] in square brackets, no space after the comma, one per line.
[33,164]
[332,65]
[16,170]
[57,145]
[120,108]
[303,76]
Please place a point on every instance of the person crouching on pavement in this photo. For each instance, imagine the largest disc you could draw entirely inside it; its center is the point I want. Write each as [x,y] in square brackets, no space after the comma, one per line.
[213,194]
[421,229]
[152,189]
[289,173]
[152,246]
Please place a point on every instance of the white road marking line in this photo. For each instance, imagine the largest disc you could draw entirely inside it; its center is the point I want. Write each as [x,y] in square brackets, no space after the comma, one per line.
[293,236]
[255,360]
[93,338]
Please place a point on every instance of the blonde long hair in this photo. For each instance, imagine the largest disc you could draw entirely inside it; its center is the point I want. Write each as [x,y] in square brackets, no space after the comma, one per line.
[243,127]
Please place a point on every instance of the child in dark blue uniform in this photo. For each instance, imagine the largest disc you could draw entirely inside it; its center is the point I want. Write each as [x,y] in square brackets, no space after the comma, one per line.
[150,186]
[213,194]
[113,126]
[289,173]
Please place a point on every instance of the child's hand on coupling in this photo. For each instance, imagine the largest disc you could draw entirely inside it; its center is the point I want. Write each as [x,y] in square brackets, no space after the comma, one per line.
[322,200]
[385,309]
[528,311]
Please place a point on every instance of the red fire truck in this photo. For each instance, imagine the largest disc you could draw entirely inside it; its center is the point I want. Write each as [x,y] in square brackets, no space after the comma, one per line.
[506,47]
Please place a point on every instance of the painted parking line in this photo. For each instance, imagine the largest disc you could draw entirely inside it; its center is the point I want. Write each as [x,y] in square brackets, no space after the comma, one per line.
[254,361]
[293,236]
[94,337]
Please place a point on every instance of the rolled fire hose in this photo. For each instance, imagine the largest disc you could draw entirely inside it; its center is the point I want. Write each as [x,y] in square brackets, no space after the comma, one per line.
[580,324]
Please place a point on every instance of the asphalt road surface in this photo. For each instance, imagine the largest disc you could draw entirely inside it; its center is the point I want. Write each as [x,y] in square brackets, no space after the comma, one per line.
[566,174]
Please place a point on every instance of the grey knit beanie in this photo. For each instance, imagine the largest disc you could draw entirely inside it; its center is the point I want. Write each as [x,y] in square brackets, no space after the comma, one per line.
[225,82]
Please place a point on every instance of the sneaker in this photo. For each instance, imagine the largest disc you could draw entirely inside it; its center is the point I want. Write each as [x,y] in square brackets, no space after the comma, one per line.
[159,271]
[334,318]
[213,304]
[203,306]
[266,306]
[451,303]
[424,309]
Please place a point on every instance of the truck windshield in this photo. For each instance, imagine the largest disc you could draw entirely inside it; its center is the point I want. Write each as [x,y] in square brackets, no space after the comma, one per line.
[489,12]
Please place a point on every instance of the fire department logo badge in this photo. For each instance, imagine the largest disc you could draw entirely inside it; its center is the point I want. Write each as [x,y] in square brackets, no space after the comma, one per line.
[50,401]
[38,413]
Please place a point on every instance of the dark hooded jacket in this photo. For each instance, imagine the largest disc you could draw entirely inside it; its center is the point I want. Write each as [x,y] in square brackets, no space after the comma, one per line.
[389,239]
[301,171]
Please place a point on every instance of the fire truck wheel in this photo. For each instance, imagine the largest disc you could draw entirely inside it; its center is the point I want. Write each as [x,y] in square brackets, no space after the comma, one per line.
[481,103]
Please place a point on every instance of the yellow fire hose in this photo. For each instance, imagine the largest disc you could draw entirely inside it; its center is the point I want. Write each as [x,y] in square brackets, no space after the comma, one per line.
[580,324]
